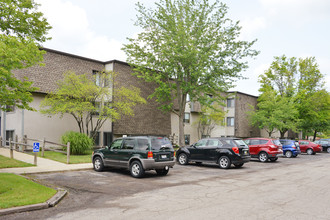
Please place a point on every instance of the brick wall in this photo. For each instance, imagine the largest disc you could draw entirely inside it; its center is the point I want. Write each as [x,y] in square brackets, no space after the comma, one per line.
[242,124]
[56,63]
[148,119]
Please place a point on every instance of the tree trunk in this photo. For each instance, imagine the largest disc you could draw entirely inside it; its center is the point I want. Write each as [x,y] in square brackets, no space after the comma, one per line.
[282,134]
[314,137]
[181,131]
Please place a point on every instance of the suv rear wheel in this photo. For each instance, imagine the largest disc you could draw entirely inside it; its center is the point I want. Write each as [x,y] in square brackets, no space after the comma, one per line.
[136,169]
[224,162]
[98,164]
[263,157]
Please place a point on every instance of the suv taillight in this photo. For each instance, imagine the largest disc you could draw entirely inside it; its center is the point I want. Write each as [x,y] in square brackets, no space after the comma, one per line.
[293,146]
[273,146]
[150,155]
[235,149]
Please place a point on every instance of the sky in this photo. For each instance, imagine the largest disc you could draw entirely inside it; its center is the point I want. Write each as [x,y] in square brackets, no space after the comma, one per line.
[97,29]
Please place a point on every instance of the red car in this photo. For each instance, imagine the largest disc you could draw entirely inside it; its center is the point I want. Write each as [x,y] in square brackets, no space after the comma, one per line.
[264,148]
[309,147]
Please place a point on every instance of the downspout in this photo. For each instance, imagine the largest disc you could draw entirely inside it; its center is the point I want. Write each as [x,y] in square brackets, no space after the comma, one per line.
[4,129]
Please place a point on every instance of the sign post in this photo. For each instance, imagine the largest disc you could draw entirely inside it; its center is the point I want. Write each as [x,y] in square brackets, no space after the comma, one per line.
[36,149]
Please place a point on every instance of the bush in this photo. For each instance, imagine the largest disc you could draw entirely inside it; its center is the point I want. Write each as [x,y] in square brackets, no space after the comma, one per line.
[79,143]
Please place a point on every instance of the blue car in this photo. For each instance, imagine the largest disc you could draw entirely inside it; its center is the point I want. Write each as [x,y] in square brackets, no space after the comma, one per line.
[290,147]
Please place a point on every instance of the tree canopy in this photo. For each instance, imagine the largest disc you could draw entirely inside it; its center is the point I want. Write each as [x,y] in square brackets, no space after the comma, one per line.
[187,48]
[91,103]
[292,97]
[22,30]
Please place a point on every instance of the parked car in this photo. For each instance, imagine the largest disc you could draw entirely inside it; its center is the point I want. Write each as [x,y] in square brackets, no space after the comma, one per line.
[325,143]
[264,148]
[290,147]
[223,151]
[137,154]
[309,147]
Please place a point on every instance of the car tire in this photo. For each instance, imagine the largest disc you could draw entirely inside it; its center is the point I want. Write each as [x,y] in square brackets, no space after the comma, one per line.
[239,165]
[98,164]
[288,154]
[309,151]
[136,169]
[162,172]
[183,159]
[263,157]
[328,150]
[273,159]
[224,162]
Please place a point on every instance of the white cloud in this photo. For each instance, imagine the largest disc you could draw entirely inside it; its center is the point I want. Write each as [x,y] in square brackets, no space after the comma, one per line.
[252,25]
[72,33]
[290,10]
[260,69]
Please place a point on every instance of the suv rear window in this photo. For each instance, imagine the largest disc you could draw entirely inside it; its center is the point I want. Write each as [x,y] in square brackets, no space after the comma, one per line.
[160,143]
[276,142]
[237,142]
[283,142]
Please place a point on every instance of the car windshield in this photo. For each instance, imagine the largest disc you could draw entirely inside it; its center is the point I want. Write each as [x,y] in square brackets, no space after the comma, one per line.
[161,143]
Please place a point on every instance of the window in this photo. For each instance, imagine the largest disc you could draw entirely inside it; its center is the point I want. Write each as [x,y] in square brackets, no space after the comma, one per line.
[97,139]
[100,80]
[97,106]
[107,138]
[129,144]
[263,141]
[230,103]
[213,143]
[201,143]
[230,121]
[10,108]
[186,118]
[142,144]
[116,144]
[187,139]
[254,142]
[188,98]
[9,134]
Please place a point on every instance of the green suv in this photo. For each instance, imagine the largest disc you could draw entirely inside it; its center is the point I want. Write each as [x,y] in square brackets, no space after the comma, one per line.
[137,154]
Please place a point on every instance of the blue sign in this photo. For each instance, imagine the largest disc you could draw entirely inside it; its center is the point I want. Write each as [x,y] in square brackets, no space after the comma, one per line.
[36,147]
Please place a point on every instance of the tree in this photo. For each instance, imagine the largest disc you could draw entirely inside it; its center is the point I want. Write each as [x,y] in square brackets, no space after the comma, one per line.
[91,101]
[312,100]
[292,97]
[22,29]
[263,116]
[208,119]
[187,48]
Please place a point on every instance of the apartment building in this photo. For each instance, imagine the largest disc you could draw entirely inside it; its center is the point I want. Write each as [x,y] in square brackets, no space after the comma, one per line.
[147,119]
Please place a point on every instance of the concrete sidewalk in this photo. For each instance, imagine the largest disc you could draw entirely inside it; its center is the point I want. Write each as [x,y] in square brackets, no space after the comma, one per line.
[43,165]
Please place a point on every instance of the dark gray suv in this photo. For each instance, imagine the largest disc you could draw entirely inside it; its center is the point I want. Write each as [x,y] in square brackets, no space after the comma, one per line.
[137,154]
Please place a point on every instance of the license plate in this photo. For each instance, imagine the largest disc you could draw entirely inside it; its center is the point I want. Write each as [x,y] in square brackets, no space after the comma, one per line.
[163,156]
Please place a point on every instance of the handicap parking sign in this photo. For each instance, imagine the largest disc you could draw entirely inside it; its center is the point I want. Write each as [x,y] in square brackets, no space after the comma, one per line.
[36,147]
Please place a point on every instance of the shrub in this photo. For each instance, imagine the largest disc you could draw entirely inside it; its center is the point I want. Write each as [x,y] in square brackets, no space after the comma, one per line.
[79,143]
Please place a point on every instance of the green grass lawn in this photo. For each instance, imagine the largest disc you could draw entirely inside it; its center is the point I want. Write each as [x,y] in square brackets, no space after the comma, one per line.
[61,157]
[6,162]
[18,191]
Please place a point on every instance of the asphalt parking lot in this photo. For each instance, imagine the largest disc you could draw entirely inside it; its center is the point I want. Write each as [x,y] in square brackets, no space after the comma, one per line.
[291,188]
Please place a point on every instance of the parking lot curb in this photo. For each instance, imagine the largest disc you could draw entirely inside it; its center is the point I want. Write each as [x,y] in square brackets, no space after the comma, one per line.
[50,203]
